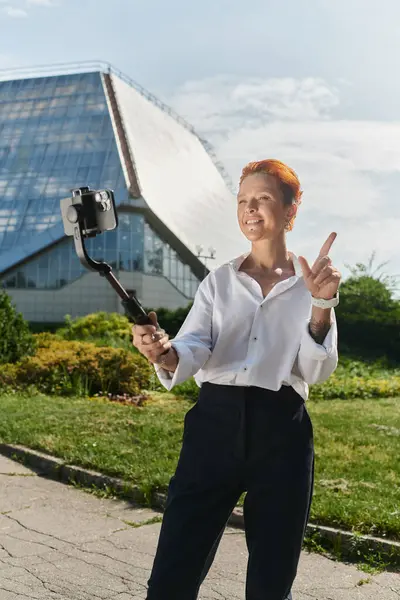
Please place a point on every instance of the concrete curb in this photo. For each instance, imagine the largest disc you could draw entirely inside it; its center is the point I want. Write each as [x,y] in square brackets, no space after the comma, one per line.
[347,544]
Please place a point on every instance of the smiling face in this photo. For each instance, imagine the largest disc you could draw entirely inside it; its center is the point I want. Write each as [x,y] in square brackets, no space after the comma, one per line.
[262,211]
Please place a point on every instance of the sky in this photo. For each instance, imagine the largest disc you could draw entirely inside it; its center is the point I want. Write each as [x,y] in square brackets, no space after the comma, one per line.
[314,83]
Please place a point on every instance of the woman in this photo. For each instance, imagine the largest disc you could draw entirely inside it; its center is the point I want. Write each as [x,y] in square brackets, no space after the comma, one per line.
[262,327]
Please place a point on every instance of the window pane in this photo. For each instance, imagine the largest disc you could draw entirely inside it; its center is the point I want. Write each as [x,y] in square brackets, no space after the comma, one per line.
[133,246]
[49,152]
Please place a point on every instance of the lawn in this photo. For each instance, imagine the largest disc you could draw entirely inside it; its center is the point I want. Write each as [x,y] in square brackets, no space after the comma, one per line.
[357,442]
[357,483]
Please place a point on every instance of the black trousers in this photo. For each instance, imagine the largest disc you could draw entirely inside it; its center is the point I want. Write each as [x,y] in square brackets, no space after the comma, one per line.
[238,439]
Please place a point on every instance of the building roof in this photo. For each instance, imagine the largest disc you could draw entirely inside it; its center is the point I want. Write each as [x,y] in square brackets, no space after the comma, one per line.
[97,127]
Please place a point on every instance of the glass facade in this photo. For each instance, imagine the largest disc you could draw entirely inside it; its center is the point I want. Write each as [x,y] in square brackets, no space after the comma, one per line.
[55,134]
[161,259]
[133,246]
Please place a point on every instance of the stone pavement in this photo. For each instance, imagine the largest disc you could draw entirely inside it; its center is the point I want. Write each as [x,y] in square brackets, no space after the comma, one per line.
[60,543]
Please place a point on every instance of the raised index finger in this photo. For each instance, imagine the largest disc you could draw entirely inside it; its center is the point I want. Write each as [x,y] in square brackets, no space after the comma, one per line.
[328,245]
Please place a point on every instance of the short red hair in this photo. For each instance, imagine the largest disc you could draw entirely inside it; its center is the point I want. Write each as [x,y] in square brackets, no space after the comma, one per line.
[287,178]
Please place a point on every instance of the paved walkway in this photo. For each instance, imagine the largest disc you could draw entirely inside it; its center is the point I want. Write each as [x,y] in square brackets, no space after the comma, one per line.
[60,543]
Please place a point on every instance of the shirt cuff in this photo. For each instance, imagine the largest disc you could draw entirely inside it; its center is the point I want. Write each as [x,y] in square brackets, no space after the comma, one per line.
[182,372]
[311,349]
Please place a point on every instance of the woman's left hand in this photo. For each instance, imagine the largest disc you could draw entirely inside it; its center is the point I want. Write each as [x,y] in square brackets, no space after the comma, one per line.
[322,279]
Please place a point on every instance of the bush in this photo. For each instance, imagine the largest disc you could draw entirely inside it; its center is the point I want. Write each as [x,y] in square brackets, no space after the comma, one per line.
[352,379]
[378,369]
[171,320]
[16,339]
[348,388]
[356,387]
[115,330]
[78,368]
[8,376]
[188,389]
[103,329]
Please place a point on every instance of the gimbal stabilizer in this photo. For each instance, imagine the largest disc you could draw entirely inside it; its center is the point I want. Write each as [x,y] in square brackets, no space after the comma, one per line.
[89,213]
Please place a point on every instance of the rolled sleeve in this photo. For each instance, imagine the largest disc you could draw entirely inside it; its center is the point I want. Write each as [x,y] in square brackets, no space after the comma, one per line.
[183,371]
[316,361]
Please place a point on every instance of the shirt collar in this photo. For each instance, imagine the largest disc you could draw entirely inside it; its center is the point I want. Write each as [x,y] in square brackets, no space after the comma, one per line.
[237,262]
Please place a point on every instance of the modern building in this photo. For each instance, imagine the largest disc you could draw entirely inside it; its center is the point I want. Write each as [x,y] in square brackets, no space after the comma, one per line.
[68,127]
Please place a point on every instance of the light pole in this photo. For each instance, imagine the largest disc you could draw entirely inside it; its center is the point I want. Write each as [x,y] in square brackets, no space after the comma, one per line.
[210,256]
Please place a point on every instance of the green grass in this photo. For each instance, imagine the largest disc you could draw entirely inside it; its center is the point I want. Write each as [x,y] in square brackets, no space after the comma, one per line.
[140,445]
[136,524]
[357,442]
[358,465]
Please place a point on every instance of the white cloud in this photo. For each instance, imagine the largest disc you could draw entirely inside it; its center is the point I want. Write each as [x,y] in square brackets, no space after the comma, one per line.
[41,2]
[17,8]
[222,104]
[350,170]
[15,12]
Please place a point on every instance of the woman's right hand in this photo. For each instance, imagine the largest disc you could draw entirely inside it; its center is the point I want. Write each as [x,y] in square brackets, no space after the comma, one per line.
[152,342]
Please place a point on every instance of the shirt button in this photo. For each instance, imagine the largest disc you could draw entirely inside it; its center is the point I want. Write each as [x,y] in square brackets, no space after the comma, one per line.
[255,339]
[245,369]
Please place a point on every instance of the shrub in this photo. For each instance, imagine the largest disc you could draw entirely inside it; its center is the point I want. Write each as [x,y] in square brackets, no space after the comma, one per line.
[115,330]
[16,339]
[11,384]
[188,389]
[339,386]
[8,376]
[79,368]
[356,387]
[103,329]
[171,320]
[378,369]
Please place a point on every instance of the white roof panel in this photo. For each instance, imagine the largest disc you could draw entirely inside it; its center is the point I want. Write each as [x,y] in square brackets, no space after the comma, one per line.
[177,177]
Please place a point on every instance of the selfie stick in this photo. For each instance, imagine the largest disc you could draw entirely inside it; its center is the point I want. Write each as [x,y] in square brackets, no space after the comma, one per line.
[131,304]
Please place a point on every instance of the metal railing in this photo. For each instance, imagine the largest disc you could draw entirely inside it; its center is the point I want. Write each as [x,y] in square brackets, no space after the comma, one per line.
[106,67]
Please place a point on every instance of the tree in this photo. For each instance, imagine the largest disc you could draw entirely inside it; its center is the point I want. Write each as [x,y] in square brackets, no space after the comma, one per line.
[369,314]
[16,339]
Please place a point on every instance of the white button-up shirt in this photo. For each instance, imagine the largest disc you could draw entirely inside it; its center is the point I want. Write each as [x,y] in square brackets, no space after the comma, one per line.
[235,336]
